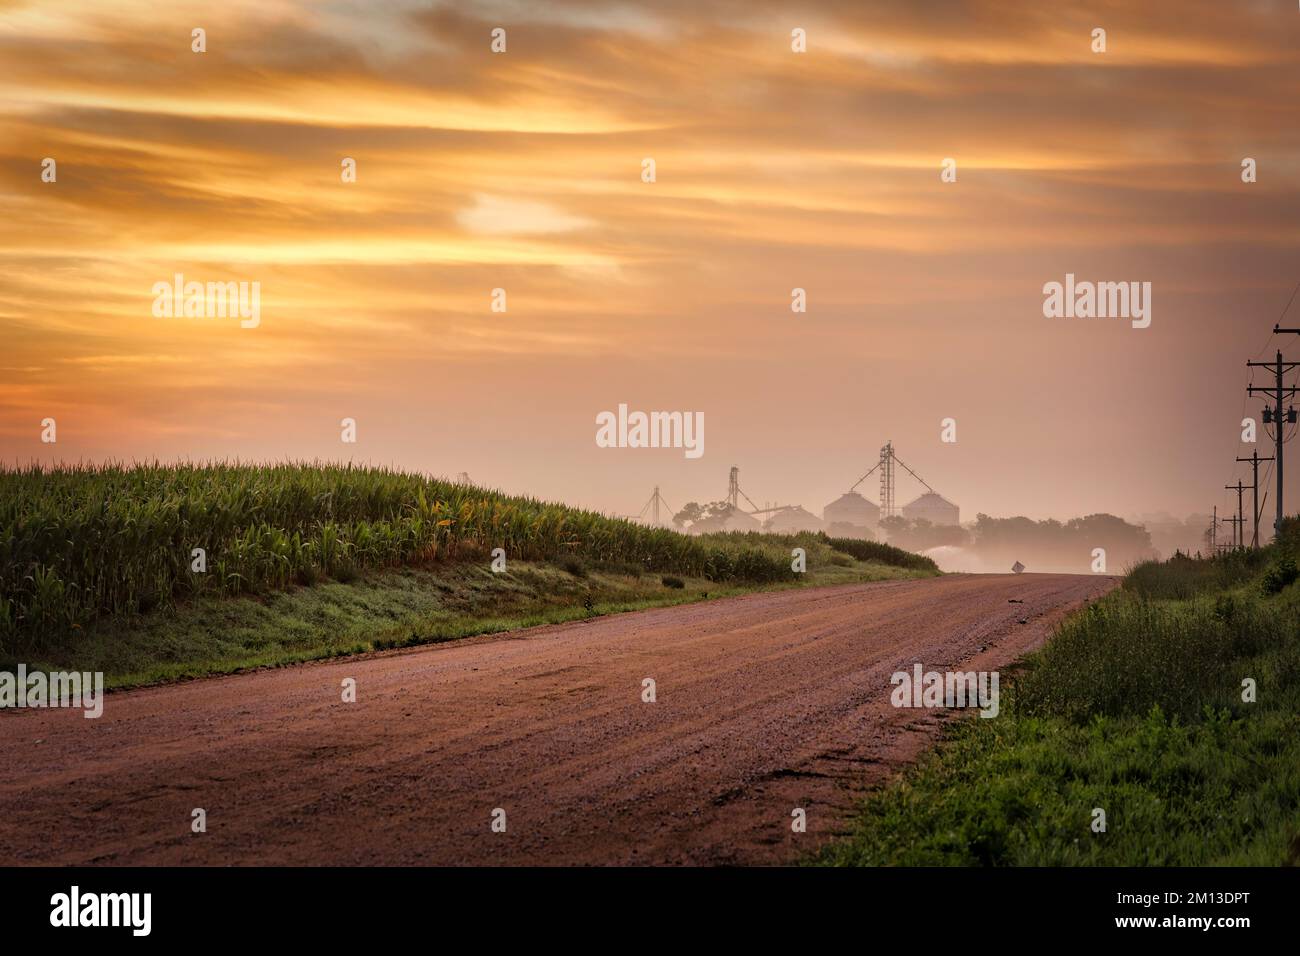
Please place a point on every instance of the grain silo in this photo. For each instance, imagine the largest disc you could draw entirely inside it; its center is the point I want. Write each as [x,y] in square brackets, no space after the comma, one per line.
[851,516]
[793,520]
[737,520]
[933,508]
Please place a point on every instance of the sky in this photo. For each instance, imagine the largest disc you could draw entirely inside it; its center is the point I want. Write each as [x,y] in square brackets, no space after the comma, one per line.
[774,170]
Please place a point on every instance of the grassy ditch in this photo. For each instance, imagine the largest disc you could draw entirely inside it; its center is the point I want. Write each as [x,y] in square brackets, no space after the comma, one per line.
[1135,707]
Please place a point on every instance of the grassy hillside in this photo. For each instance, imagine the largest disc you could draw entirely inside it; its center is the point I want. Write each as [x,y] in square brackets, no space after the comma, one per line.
[97,564]
[79,544]
[1136,707]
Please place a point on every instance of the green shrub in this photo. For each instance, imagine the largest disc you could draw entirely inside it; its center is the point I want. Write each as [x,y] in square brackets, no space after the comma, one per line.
[1183,576]
[1279,575]
[1125,655]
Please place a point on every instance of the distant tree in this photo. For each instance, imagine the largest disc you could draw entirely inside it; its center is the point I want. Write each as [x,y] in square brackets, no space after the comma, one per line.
[919,534]
[845,529]
[709,517]
[1112,533]
[1066,546]
[893,526]
[688,515]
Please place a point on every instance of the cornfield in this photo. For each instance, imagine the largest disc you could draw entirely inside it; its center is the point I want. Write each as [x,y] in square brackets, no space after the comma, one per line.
[78,543]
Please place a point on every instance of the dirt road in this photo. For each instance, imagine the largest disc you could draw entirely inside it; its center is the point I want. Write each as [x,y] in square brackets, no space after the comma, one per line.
[765,703]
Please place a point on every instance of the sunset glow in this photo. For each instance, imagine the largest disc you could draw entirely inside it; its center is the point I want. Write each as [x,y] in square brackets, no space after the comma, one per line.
[522,171]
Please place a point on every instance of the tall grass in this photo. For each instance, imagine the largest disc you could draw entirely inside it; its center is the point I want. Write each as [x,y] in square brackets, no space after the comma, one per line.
[1183,577]
[883,553]
[1167,638]
[1125,655]
[1136,706]
[82,542]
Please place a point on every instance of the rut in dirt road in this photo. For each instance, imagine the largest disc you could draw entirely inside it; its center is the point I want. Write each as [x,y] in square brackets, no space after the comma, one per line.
[765,703]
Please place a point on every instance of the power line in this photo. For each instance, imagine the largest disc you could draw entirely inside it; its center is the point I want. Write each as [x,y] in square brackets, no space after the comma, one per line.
[1276,415]
[1258,352]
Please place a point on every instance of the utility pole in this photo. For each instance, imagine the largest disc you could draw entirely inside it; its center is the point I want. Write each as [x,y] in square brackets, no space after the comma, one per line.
[1275,415]
[1254,460]
[1215,547]
[1238,523]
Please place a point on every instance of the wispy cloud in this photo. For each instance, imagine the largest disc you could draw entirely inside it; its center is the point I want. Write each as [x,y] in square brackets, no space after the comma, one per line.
[521,171]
